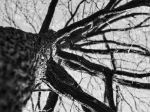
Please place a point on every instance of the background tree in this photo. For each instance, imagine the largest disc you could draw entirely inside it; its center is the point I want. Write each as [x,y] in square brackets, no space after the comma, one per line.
[98,57]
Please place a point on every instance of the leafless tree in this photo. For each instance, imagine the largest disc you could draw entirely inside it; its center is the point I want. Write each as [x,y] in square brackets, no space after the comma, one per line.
[104,43]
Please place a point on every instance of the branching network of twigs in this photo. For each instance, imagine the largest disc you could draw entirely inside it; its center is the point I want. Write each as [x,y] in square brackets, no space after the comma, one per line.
[77,36]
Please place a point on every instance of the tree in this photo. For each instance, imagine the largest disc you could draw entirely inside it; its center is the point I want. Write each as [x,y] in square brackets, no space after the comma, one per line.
[91,43]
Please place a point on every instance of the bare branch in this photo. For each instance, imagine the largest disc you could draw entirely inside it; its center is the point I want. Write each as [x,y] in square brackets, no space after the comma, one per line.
[110,51]
[52,97]
[81,60]
[65,84]
[111,4]
[109,78]
[129,5]
[113,42]
[72,16]
[49,16]
[134,84]
[133,15]
[51,102]
[97,67]
[76,66]
[130,74]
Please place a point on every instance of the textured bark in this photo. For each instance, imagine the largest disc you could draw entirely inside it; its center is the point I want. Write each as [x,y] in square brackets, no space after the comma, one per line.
[17,52]
[17,59]
[53,97]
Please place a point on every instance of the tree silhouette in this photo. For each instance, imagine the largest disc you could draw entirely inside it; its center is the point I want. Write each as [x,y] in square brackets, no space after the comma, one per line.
[92,44]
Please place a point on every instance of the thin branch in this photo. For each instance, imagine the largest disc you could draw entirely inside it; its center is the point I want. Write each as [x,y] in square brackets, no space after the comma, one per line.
[42,90]
[39,100]
[130,74]
[133,84]
[76,66]
[130,5]
[99,51]
[133,15]
[113,30]
[109,79]
[72,15]
[111,4]
[139,25]
[113,42]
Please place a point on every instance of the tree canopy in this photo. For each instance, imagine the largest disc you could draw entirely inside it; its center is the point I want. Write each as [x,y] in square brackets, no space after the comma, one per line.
[93,55]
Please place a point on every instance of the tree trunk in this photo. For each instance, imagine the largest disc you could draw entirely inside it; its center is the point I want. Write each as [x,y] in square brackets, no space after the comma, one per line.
[17,55]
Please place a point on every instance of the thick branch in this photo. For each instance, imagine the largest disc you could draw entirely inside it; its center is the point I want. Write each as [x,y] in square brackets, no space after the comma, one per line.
[109,91]
[65,84]
[111,4]
[97,67]
[49,16]
[51,102]
[81,60]
[52,98]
